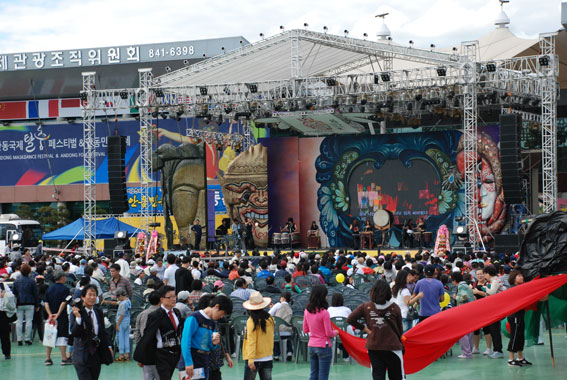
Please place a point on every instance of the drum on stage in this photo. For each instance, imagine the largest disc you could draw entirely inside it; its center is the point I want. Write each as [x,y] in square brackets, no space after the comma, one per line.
[382,219]
[427,237]
[277,239]
[285,238]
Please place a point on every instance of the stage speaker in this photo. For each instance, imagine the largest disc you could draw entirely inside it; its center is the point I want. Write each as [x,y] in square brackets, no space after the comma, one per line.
[117,174]
[507,243]
[510,158]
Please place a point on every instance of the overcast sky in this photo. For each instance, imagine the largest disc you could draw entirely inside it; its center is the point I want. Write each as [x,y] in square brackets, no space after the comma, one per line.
[35,25]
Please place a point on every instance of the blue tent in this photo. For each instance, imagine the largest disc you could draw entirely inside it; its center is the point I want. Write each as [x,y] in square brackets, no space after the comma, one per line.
[105,229]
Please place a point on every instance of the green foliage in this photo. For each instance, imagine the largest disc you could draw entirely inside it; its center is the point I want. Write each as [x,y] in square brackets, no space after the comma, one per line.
[49,217]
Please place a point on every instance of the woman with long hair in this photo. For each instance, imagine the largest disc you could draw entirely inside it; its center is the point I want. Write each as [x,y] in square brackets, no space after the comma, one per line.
[258,346]
[317,323]
[401,296]
[383,324]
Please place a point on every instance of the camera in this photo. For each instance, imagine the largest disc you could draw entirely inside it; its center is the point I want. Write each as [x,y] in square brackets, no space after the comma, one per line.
[74,302]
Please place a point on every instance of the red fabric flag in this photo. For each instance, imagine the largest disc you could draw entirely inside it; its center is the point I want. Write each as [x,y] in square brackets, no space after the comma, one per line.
[431,338]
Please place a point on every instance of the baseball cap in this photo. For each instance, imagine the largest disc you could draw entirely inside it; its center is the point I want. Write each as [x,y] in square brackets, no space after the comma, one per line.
[83,261]
[219,284]
[430,270]
[183,295]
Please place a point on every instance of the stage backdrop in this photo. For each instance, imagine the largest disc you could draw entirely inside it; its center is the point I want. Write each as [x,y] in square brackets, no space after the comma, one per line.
[337,179]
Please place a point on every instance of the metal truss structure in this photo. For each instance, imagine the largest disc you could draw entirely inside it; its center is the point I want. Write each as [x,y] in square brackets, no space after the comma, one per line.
[88,104]
[454,82]
[143,99]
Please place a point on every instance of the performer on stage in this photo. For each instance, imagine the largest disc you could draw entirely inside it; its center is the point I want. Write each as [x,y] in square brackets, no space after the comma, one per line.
[420,231]
[313,239]
[355,230]
[290,226]
[407,234]
[367,235]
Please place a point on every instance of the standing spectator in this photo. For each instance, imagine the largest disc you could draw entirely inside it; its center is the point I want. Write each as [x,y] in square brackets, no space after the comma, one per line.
[56,308]
[401,296]
[317,323]
[123,325]
[184,304]
[495,287]
[149,372]
[429,291]
[27,298]
[183,277]
[479,291]
[517,327]
[6,300]
[195,272]
[383,324]
[258,346]
[464,295]
[199,336]
[160,269]
[87,327]
[117,281]
[169,274]
[160,344]
[124,266]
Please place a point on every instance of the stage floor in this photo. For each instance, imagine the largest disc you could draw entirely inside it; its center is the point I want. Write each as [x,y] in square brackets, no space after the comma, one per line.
[370,252]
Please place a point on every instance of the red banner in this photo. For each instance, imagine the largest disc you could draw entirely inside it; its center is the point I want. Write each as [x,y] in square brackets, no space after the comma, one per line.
[431,338]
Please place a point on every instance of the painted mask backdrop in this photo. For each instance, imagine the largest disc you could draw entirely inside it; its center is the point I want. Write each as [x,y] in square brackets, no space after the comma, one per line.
[245,191]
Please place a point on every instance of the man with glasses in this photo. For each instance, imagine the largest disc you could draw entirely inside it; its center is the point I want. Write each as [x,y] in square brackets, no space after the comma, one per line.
[160,344]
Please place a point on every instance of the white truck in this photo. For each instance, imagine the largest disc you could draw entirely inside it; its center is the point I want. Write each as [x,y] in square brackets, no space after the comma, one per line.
[26,233]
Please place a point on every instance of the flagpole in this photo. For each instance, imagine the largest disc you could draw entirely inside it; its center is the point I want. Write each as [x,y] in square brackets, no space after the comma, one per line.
[550,335]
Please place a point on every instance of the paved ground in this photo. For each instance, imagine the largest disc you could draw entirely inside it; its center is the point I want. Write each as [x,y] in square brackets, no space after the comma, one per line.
[27,363]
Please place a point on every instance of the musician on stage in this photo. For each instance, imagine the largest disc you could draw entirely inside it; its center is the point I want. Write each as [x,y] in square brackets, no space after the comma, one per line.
[420,228]
[355,230]
[407,234]
[289,227]
[313,239]
[367,234]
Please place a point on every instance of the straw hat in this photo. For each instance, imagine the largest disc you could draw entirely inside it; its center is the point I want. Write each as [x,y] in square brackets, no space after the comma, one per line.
[256,302]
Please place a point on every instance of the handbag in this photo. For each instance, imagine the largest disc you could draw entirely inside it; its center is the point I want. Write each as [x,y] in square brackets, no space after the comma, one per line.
[50,333]
[412,314]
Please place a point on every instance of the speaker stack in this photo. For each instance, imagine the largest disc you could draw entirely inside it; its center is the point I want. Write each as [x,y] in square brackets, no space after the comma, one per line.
[117,174]
[510,158]
[507,243]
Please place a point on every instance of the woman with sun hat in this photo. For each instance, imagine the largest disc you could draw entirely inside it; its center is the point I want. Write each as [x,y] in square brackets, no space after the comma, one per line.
[258,346]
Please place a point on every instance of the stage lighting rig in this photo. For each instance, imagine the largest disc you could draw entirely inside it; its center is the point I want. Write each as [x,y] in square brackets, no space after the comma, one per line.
[252,87]
[543,60]
[83,96]
[491,67]
[158,93]
[325,29]
[123,94]
[385,76]
[331,82]
[346,32]
[442,71]
[203,91]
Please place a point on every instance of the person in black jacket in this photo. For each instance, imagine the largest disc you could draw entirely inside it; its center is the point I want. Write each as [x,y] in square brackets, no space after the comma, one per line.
[183,276]
[27,297]
[92,346]
[161,343]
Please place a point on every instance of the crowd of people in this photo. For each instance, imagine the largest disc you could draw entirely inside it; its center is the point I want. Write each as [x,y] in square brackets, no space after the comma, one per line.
[93,304]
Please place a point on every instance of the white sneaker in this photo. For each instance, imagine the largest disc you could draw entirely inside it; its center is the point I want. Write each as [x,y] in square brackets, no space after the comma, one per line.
[475,351]
[487,352]
[233,355]
[496,355]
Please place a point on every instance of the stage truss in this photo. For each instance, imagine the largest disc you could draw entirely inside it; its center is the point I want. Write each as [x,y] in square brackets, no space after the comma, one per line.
[453,83]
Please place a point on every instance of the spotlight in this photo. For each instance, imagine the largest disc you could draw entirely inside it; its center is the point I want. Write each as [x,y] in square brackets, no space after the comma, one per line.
[418,97]
[120,235]
[262,35]
[167,69]
[123,94]
[385,77]
[460,231]
[253,87]
[226,90]
[186,62]
[346,32]
[203,91]
[158,92]
[376,79]
[442,71]
[491,67]
[305,25]
[544,60]
[282,28]
[365,35]
[331,82]
[83,96]
[411,43]
[325,29]
[432,46]
[228,109]
[454,49]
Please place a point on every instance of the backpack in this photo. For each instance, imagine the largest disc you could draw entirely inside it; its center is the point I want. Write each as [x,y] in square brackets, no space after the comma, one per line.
[9,305]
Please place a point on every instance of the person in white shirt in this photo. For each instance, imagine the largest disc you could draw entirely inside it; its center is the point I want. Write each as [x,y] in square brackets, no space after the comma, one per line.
[401,297]
[124,266]
[169,274]
[160,269]
[337,309]
[195,272]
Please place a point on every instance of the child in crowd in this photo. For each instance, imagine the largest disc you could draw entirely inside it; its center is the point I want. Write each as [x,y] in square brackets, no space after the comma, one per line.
[290,286]
[123,325]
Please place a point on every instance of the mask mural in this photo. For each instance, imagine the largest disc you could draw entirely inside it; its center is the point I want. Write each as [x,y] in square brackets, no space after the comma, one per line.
[184,187]
[492,209]
[245,191]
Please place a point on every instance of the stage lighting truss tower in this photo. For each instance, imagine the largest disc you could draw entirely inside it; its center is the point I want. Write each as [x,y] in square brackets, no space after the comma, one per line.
[465,78]
[470,115]
[548,74]
[88,105]
[143,99]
